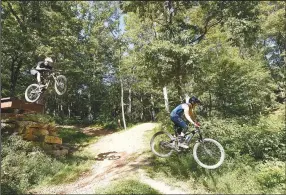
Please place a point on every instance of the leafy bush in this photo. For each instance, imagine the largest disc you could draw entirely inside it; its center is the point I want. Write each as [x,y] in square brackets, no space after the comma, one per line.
[271,174]
[259,141]
[24,165]
[42,118]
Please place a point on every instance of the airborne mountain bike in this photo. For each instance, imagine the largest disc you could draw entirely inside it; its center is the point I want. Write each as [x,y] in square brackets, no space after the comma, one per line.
[207,152]
[34,91]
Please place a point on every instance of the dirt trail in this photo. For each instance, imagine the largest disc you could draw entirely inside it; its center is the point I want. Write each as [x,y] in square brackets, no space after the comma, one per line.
[118,156]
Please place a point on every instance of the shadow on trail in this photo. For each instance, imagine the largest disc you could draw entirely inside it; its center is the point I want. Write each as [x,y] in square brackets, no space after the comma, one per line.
[106,155]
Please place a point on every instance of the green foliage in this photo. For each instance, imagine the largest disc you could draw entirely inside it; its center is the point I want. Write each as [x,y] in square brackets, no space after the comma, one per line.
[41,118]
[260,141]
[24,165]
[271,174]
[127,186]
[74,136]
[242,174]
[73,167]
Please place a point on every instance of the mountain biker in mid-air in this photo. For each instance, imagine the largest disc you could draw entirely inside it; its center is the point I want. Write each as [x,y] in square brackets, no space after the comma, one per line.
[179,123]
[41,68]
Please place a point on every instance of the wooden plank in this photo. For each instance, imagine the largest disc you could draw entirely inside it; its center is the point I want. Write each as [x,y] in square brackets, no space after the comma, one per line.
[6,105]
[21,105]
[6,99]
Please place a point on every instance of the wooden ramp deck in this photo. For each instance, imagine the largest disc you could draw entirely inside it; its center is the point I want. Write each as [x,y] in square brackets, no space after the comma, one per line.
[14,103]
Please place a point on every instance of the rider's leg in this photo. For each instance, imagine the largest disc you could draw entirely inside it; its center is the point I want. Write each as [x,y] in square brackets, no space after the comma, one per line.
[180,123]
[39,78]
[177,129]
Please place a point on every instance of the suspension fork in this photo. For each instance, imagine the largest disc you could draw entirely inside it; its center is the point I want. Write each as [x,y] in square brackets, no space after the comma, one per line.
[54,77]
[200,134]
[190,135]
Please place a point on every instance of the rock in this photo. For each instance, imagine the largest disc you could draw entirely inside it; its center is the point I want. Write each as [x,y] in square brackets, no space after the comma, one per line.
[29,137]
[41,132]
[36,125]
[51,127]
[53,139]
[26,124]
[60,152]
[47,147]
[8,126]
[53,133]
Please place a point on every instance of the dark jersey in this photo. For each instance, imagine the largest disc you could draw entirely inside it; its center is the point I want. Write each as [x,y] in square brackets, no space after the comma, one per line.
[41,64]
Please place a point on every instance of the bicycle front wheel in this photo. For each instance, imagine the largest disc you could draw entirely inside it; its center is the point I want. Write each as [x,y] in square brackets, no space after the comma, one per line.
[209,153]
[162,144]
[61,84]
[32,93]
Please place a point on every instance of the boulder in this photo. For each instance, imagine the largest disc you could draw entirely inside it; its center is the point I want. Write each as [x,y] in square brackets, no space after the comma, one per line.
[41,132]
[62,152]
[53,139]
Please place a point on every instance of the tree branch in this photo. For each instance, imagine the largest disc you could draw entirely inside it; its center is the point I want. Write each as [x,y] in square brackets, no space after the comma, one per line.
[17,18]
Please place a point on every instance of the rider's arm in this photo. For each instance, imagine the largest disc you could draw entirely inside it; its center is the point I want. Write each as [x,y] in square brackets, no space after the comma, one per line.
[186,112]
[38,67]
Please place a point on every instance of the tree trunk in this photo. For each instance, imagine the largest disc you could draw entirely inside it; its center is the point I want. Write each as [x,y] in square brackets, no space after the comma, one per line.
[129,105]
[122,104]
[90,116]
[15,71]
[166,99]
[69,110]
[142,111]
[152,108]
[210,107]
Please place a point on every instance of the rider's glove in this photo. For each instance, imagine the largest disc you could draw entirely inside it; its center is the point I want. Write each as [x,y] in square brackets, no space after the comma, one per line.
[197,124]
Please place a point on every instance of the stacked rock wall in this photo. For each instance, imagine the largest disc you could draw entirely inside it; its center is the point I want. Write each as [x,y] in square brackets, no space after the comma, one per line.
[30,130]
[42,134]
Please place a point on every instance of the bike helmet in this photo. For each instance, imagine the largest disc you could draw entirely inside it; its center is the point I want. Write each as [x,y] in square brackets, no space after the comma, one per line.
[194,100]
[49,61]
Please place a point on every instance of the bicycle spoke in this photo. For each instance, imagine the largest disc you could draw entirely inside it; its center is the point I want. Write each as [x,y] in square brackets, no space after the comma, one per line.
[32,93]
[162,145]
[208,153]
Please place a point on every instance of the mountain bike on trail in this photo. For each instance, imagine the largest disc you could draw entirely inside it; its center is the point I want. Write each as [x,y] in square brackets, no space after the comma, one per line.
[34,91]
[207,152]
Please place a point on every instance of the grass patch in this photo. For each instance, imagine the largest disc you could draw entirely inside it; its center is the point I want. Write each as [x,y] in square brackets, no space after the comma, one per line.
[239,176]
[41,118]
[75,136]
[74,166]
[128,186]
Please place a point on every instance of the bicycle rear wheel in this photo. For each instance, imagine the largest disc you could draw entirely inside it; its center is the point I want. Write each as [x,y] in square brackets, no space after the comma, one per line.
[33,93]
[61,84]
[162,144]
[209,153]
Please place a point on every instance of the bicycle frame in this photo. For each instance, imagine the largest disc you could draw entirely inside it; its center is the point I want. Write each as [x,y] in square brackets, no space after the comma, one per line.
[191,134]
[54,77]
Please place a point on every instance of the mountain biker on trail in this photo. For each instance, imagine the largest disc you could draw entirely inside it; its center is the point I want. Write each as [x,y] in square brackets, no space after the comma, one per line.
[179,123]
[41,68]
